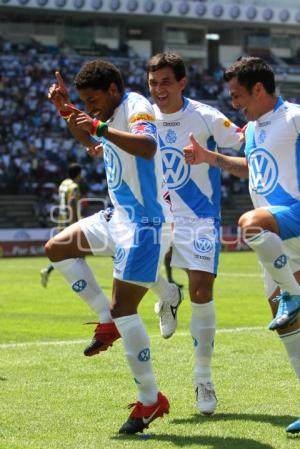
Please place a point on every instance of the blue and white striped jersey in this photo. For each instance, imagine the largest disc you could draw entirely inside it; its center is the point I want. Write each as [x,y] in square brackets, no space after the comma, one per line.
[135,185]
[273,154]
[195,190]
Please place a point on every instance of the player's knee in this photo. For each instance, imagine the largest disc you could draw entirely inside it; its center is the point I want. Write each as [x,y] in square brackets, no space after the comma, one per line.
[249,224]
[202,294]
[52,251]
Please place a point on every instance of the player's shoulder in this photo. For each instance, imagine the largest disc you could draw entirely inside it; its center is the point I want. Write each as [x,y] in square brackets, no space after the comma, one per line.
[203,109]
[290,114]
[291,109]
[135,99]
[65,182]
[139,107]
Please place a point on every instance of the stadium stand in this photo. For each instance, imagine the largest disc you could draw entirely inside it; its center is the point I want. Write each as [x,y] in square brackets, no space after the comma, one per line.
[35,147]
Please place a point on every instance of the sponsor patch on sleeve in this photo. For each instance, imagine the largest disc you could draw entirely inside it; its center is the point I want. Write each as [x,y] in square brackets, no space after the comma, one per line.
[227,123]
[141,117]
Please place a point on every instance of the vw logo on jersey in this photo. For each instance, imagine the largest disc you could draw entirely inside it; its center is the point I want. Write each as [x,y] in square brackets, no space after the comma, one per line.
[262,136]
[176,171]
[119,255]
[203,245]
[144,355]
[263,173]
[171,136]
[113,167]
[79,285]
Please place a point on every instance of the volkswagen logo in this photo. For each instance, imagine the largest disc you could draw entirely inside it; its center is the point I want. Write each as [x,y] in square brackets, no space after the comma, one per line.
[113,167]
[176,171]
[263,173]
[203,245]
[144,355]
[119,255]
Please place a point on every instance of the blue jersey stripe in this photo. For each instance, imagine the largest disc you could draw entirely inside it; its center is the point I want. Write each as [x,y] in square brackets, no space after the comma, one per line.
[147,179]
[197,201]
[127,201]
[143,257]
[279,103]
[250,139]
[288,219]
[280,196]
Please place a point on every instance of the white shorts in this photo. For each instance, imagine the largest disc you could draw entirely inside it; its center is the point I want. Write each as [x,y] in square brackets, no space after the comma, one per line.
[97,232]
[138,249]
[292,247]
[196,244]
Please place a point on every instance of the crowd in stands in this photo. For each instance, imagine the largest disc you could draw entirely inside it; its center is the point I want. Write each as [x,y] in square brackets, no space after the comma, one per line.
[35,145]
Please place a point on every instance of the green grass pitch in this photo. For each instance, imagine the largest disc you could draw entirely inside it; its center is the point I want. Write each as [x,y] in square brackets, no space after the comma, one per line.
[52,397]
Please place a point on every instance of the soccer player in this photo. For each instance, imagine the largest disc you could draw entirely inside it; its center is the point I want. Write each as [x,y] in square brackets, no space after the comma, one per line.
[272,229]
[69,196]
[195,199]
[139,230]
[104,333]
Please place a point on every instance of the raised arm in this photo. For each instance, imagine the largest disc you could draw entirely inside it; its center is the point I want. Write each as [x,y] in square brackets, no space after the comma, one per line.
[58,94]
[196,154]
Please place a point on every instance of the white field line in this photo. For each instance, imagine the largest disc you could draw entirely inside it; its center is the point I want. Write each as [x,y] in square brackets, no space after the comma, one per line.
[81,341]
[241,275]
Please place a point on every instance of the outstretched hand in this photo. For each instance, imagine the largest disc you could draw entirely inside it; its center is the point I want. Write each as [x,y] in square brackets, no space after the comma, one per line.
[194,153]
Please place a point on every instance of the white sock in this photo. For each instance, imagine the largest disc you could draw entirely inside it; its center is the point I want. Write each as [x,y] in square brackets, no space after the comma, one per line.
[164,290]
[81,279]
[271,252]
[291,342]
[203,330]
[137,350]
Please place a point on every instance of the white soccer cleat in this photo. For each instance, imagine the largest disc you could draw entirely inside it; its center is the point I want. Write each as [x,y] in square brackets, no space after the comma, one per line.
[44,277]
[206,398]
[167,312]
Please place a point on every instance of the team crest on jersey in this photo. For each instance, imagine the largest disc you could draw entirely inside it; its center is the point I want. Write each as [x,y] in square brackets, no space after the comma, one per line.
[171,136]
[263,173]
[262,136]
[176,171]
[113,167]
[203,245]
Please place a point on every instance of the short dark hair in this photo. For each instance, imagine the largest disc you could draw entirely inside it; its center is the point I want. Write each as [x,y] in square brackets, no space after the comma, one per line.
[74,170]
[99,74]
[167,59]
[251,70]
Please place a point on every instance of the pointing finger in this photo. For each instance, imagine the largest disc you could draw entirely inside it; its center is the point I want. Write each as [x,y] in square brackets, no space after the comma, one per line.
[60,81]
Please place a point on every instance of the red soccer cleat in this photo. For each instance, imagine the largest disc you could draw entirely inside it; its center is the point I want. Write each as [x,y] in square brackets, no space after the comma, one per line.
[105,335]
[142,415]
